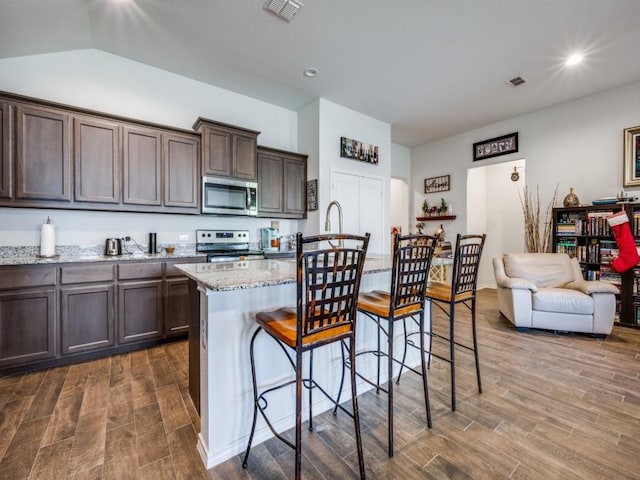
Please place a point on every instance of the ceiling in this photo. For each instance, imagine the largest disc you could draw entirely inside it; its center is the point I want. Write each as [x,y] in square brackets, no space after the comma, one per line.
[430,68]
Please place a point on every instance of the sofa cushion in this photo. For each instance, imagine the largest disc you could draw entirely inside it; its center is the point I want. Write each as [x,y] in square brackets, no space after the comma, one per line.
[562,300]
[543,269]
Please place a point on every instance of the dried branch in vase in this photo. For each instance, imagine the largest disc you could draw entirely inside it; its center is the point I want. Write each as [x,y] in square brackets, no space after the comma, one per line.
[531,211]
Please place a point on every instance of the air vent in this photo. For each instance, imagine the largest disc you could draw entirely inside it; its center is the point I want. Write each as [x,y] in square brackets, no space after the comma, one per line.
[285,9]
[517,81]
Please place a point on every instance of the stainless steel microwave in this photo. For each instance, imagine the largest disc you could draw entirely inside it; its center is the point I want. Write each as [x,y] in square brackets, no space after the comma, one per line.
[229,196]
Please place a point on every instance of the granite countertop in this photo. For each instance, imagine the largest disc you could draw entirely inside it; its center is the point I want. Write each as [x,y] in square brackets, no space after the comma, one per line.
[84,254]
[225,276]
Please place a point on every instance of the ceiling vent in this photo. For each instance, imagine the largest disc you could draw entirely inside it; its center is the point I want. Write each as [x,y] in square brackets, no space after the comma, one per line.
[285,9]
[517,81]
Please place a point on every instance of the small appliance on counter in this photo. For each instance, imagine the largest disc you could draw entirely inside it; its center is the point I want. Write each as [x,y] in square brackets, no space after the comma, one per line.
[113,247]
[269,239]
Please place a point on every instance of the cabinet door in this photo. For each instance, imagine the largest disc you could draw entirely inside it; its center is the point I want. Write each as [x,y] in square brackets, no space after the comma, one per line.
[43,154]
[244,156]
[177,310]
[270,184]
[142,168]
[96,160]
[86,314]
[139,311]
[27,327]
[181,173]
[295,187]
[216,157]
[6,164]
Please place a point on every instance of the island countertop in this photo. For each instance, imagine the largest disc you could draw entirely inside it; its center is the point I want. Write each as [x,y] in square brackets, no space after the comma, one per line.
[226,276]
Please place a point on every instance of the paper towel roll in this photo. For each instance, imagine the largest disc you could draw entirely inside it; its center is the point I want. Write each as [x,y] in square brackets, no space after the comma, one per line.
[47,240]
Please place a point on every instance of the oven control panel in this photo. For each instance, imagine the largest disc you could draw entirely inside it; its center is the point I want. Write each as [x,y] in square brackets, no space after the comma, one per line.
[222,236]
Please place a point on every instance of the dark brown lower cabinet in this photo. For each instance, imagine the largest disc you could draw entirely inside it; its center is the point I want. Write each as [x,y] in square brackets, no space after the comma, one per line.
[50,315]
[177,308]
[86,318]
[27,326]
[139,311]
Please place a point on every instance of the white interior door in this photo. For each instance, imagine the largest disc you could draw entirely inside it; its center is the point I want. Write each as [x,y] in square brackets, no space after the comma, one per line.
[361,199]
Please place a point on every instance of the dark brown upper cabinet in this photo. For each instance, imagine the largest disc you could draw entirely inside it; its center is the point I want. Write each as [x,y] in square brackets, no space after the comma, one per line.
[142,167]
[181,175]
[282,180]
[96,160]
[43,158]
[6,162]
[227,151]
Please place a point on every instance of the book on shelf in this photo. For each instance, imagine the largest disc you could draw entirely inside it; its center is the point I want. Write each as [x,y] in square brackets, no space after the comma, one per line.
[597,223]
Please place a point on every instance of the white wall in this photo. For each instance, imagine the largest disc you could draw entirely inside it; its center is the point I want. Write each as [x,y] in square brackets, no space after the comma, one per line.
[332,121]
[111,84]
[309,143]
[576,144]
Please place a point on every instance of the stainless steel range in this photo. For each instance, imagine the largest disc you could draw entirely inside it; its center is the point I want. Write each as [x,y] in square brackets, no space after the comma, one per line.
[226,245]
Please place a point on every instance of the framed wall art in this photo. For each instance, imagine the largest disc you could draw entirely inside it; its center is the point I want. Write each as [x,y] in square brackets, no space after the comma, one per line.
[356,150]
[312,195]
[631,157]
[495,146]
[437,184]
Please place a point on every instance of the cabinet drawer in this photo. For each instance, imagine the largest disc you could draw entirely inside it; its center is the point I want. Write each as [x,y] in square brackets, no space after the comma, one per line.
[130,271]
[19,277]
[172,271]
[86,273]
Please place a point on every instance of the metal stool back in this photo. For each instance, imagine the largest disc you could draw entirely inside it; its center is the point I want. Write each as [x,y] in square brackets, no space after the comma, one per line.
[328,273]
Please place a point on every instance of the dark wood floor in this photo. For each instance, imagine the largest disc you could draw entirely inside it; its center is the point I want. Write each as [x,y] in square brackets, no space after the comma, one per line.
[553,407]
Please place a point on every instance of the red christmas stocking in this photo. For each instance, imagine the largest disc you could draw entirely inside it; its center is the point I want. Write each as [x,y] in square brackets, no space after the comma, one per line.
[628,257]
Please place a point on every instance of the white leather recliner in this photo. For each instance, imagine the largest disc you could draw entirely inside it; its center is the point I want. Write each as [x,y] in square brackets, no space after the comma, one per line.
[547,290]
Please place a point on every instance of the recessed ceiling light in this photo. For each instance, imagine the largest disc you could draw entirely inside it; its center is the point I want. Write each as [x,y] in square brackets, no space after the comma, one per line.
[574,59]
[311,72]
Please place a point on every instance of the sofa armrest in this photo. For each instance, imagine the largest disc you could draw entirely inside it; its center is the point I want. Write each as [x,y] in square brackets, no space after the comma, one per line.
[507,282]
[592,286]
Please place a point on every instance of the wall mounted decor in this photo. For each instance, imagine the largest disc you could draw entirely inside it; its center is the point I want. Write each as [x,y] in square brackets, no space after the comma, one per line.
[358,151]
[312,195]
[631,157]
[437,184]
[495,146]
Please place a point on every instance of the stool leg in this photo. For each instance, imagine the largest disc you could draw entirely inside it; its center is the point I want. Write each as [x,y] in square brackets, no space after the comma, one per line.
[356,412]
[342,348]
[310,390]
[390,384]
[298,471]
[378,356]
[452,309]
[430,331]
[425,384]
[255,398]
[475,343]
[404,354]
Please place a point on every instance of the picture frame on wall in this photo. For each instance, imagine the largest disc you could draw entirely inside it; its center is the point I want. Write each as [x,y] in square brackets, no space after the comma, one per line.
[631,162]
[437,184]
[312,195]
[356,150]
[495,147]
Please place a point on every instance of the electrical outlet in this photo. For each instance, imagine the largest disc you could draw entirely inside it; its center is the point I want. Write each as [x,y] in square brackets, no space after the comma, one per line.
[183,238]
[275,224]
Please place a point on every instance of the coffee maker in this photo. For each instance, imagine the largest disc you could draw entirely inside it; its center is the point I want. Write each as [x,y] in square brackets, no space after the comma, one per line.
[269,239]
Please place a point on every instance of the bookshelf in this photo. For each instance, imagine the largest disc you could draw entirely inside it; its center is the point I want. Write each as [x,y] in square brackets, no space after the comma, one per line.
[583,232]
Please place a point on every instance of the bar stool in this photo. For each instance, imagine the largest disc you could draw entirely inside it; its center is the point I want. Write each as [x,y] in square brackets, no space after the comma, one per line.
[328,282]
[445,296]
[412,256]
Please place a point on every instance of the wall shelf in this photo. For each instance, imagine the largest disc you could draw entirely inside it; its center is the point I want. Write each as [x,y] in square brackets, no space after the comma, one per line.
[436,217]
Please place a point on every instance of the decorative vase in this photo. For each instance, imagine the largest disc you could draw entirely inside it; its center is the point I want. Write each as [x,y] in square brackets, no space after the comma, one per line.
[571,200]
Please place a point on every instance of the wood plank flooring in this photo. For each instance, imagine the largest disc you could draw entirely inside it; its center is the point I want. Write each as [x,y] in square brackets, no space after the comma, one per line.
[554,407]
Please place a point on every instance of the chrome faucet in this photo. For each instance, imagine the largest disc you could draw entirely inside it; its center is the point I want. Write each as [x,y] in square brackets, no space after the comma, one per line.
[327,221]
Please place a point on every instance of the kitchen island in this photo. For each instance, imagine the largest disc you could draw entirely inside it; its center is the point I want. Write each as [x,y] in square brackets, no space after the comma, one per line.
[229,296]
